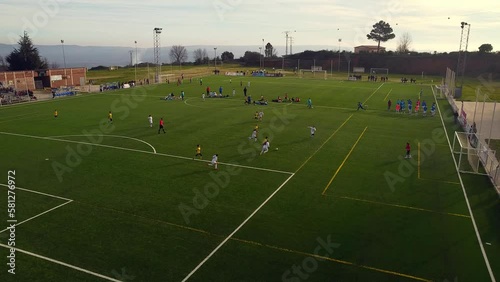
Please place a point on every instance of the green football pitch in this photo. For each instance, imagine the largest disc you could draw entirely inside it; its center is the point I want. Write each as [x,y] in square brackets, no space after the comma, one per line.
[101,201]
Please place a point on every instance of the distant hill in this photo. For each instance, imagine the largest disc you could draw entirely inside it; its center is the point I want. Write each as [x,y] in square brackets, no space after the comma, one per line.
[91,56]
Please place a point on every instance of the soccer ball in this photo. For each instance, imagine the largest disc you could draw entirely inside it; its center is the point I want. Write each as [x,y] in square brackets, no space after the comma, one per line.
[276,149]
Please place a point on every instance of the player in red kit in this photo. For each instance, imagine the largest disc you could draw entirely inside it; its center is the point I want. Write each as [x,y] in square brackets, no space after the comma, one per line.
[161,126]
[408,148]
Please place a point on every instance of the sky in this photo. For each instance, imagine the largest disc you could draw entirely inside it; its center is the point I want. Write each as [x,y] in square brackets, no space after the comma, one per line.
[432,25]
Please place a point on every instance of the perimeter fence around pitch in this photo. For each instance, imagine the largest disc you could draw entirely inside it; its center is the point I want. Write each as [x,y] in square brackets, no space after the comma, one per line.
[479,125]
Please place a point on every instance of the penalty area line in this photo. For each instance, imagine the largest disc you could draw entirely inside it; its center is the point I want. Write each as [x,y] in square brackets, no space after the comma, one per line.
[137,151]
[60,263]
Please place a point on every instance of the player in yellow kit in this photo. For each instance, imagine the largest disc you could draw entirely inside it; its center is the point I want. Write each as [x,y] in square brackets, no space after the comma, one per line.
[198,152]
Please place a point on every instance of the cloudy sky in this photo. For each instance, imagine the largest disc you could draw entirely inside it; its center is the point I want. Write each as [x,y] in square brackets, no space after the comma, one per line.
[432,25]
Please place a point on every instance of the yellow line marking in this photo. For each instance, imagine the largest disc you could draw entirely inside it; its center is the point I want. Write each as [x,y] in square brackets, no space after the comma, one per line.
[418,160]
[333,260]
[342,125]
[345,159]
[373,93]
[441,181]
[387,94]
[400,206]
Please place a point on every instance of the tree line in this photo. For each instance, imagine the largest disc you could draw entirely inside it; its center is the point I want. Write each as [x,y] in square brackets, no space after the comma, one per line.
[27,57]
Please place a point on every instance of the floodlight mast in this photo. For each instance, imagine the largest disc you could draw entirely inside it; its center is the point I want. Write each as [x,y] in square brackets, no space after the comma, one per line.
[156,40]
[135,71]
[462,53]
[286,36]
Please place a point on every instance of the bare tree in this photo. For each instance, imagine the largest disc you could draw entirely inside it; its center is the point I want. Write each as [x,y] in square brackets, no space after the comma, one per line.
[200,56]
[178,54]
[404,43]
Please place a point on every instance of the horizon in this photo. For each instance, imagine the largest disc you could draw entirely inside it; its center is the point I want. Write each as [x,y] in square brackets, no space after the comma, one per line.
[433,26]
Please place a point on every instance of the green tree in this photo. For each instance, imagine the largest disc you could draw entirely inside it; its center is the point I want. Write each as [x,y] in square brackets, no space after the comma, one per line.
[227,56]
[485,48]
[251,57]
[381,32]
[26,57]
[270,52]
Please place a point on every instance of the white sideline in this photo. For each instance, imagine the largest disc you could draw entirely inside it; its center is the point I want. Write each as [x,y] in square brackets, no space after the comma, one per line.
[492,276]
[236,230]
[61,263]
[139,151]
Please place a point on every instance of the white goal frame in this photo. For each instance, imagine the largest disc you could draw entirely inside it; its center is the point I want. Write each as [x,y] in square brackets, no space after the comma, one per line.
[469,148]
[383,71]
[315,73]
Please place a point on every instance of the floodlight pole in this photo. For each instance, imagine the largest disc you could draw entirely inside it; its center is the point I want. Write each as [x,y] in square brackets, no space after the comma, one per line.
[340,40]
[135,72]
[215,60]
[64,55]
[260,58]
[264,48]
[462,52]
[156,36]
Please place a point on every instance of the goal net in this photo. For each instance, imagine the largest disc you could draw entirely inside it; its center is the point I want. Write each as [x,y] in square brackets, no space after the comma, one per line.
[379,71]
[472,155]
[319,74]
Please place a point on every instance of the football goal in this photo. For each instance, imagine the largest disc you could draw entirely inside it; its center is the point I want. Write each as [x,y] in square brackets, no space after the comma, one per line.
[379,71]
[473,156]
[319,74]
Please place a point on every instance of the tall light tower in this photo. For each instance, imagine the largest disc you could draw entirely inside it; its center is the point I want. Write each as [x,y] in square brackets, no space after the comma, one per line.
[260,58]
[156,37]
[340,40]
[291,43]
[462,54]
[264,48]
[135,71]
[286,43]
[215,60]
[64,55]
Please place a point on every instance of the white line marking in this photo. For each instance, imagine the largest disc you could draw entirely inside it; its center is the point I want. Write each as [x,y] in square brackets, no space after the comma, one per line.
[134,150]
[36,192]
[33,217]
[465,195]
[236,230]
[61,263]
[115,136]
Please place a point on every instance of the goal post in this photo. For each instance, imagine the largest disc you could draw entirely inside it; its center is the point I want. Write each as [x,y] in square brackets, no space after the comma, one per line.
[379,71]
[319,74]
[472,156]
